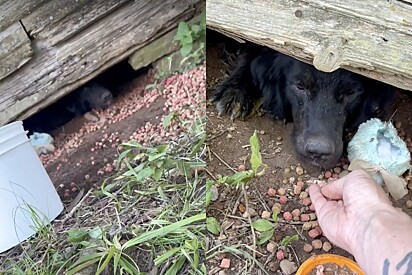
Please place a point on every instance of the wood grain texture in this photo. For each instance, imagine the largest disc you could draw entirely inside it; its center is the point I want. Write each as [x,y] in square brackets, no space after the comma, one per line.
[11,11]
[15,49]
[58,20]
[369,37]
[56,70]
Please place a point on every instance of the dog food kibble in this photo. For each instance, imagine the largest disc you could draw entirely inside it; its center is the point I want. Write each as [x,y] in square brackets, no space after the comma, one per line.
[297,189]
[317,244]
[328,174]
[307,226]
[287,216]
[299,170]
[307,248]
[271,192]
[281,191]
[283,199]
[327,246]
[303,195]
[331,269]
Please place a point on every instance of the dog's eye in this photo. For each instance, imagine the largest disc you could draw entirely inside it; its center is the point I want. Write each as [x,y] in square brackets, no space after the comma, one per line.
[300,86]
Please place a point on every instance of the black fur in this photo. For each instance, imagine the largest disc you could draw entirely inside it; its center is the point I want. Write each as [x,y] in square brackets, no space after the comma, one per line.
[321,105]
[80,101]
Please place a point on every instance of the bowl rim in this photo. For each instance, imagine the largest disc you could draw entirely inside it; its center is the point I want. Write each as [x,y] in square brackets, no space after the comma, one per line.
[315,260]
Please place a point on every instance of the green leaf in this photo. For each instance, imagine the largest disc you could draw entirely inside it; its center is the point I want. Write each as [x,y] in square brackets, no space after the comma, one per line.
[256,158]
[168,119]
[182,30]
[77,235]
[145,173]
[265,236]
[175,268]
[160,259]
[186,49]
[96,233]
[262,225]
[195,29]
[288,239]
[212,225]
[187,40]
[177,226]
[275,216]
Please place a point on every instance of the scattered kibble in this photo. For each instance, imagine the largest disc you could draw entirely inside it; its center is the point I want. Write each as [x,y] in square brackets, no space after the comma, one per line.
[307,248]
[327,246]
[317,244]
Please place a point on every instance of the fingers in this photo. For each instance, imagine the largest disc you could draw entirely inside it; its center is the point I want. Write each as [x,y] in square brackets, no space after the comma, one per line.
[357,179]
[318,200]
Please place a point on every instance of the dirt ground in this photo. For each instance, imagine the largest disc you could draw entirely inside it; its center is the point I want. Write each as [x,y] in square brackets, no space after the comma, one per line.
[228,150]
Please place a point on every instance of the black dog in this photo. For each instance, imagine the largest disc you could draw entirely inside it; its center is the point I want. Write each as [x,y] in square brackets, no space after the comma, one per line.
[321,105]
[78,102]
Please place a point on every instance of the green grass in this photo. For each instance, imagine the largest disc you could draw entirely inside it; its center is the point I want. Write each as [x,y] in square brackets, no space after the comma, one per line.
[150,217]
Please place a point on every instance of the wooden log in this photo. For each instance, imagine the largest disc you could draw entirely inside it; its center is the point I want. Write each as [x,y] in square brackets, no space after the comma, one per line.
[11,11]
[57,20]
[372,38]
[15,49]
[56,70]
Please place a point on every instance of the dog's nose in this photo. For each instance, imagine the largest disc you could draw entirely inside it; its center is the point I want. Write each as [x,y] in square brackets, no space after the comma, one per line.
[319,147]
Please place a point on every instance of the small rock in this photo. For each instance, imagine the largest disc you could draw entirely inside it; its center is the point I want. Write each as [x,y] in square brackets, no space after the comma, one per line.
[307,248]
[242,208]
[225,263]
[87,177]
[281,192]
[327,246]
[288,267]
[303,195]
[252,212]
[307,226]
[317,244]
[222,272]
[292,180]
[271,192]
[279,138]
[262,132]
[271,247]
[299,170]
[409,204]
[266,214]
[280,255]
[229,136]
[285,181]
[215,193]
[273,266]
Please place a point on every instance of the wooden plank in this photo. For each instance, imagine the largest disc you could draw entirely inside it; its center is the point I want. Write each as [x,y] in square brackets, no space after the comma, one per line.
[57,20]
[12,11]
[15,49]
[369,37]
[55,71]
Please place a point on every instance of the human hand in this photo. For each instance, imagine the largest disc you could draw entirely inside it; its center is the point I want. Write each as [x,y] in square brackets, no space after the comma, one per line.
[345,208]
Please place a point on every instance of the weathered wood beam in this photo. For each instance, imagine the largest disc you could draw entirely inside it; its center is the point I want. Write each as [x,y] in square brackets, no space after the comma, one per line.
[373,38]
[55,71]
[15,49]
[11,11]
[58,20]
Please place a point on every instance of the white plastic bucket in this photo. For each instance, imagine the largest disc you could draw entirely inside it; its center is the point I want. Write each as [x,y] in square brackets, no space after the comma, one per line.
[28,199]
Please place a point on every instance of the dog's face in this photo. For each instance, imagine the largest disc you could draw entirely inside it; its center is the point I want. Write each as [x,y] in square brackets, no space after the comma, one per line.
[320,104]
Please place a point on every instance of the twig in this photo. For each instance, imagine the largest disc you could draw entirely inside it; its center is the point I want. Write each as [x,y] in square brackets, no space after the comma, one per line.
[296,256]
[70,214]
[300,234]
[390,119]
[224,162]
[236,205]
[210,174]
[256,192]
[251,227]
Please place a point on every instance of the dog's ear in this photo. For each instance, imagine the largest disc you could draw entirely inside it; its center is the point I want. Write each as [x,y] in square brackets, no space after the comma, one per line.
[266,73]
[376,99]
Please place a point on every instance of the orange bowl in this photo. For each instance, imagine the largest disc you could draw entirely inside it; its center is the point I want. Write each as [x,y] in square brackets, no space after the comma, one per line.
[313,261]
